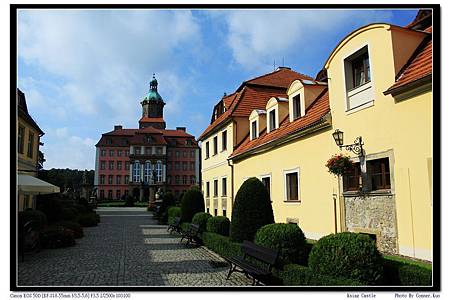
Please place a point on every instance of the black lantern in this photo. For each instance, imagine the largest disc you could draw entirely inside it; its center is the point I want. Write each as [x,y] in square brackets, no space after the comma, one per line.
[356,147]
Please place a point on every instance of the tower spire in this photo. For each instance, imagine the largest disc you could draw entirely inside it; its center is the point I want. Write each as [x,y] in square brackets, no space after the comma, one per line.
[154,84]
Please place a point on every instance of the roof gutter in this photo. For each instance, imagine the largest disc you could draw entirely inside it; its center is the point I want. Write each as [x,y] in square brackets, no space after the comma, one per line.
[322,123]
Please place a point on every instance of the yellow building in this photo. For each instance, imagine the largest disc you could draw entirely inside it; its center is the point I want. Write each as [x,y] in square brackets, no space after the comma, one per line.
[28,141]
[376,84]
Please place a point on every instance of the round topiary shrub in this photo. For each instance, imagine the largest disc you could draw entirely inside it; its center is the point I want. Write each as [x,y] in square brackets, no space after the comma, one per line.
[51,206]
[172,213]
[288,239]
[74,226]
[191,204]
[219,225]
[349,255]
[201,219]
[69,213]
[252,210]
[36,216]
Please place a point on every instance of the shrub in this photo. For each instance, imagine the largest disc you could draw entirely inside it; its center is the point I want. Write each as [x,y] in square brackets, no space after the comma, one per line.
[219,225]
[201,219]
[74,226]
[129,202]
[88,219]
[57,237]
[287,238]
[397,272]
[347,254]
[185,226]
[222,245]
[69,213]
[300,275]
[252,210]
[191,204]
[32,215]
[172,213]
[167,201]
[50,206]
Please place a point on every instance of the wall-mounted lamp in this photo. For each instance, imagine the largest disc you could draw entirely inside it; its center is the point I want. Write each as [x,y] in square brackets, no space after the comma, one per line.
[356,147]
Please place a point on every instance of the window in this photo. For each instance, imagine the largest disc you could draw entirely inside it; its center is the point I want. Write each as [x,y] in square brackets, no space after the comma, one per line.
[184,165]
[215,145]
[118,179]
[266,182]
[216,183]
[207,150]
[184,153]
[147,171]
[102,179]
[177,165]
[127,179]
[110,179]
[137,150]
[272,120]
[360,70]
[254,130]
[110,194]
[192,153]
[379,174]
[158,171]
[296,106]
[185,179]
[127,152]
[119,152]
[169,179]
[108,141]
[177,153]
[224,140]
[127,165]
[207,189]
[224,186]
[177,179]
[102,194]
[193,179]
[30,144]
[102,152]
[137,172]
[159,150]
[292,186]
[352,180]
[207,210]
[119,165]
[215,211]
[148,150]
[111,152]
[169,165]
[20,139]
[111,165]
[102,165]
[191,166]
[117,194]
[125,194]
[169,153]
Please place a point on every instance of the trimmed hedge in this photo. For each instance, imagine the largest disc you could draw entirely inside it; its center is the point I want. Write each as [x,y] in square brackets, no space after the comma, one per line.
[57,237]
[219,225]
[349,255]
[287,238]
[252,210]
[74,226]
[88,219]
[191,204]
[37,216]
[293,274]
[172,213]
[201,219]
[222,245]
[406,274]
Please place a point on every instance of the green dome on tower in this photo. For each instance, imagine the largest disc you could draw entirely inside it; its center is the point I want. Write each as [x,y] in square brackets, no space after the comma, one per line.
[153,94]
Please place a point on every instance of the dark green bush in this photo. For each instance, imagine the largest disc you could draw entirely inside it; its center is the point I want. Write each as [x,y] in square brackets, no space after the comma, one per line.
[252,210]
[185,226]
[88,219]
[288,239]
[69,213]
[201,219]
[74,226]
[32,215]
[300,275]
[51,206]
[57,237]
[219,225]
[405,274]
[222,245]
[168,200]
[191,204]
[129,202]
[349,255]
[172,213]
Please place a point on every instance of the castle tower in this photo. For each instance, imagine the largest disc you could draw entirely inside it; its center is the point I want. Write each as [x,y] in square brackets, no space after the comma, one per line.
[153,108]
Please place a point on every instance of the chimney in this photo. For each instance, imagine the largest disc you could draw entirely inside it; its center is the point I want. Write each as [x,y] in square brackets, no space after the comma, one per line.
[181,128]
[117,127]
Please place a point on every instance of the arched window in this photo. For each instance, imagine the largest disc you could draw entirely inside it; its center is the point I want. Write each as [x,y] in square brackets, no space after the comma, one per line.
[147,171]
[136,171]
[158,171]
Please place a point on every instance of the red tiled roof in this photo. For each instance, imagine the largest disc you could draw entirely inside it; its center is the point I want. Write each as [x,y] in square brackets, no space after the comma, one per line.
[149,129]
[175,133]
[419,66]
[154,120]
[254,94]
[122,132]
[319,108]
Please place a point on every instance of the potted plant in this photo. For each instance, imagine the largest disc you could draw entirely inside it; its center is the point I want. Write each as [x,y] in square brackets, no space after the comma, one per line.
[339,164]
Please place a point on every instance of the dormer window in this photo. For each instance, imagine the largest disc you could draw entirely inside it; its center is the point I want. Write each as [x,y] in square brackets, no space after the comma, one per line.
[296,106]
[272,120]
[254,130]
[360,70]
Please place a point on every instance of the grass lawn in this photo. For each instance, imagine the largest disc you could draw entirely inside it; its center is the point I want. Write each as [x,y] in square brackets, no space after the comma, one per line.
[410,261]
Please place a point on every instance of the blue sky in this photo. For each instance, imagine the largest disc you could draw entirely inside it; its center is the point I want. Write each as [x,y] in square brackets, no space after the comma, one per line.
[83,71]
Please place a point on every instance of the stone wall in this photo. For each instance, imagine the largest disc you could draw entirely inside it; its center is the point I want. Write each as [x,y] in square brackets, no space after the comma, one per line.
[374,215]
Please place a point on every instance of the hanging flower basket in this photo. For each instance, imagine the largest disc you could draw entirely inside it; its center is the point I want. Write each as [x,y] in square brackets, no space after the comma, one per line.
[339,164]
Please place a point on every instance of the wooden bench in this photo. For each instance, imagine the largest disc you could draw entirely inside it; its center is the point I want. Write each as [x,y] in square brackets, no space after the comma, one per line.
[191,235]
[175,226]
[265,258]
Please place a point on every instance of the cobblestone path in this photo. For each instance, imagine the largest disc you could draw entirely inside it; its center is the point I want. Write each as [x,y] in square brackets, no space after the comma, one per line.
[127,248]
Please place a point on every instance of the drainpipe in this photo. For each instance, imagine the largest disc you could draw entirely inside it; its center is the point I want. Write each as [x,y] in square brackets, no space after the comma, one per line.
[232,183]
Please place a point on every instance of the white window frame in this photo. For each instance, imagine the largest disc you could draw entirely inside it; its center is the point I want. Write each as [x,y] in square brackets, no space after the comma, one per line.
[300,106]
[215,195]
[270,178]
[136,171]
[147,171]
[275,109]
[251,129]
[158,171]
[285,173]
[221,185]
